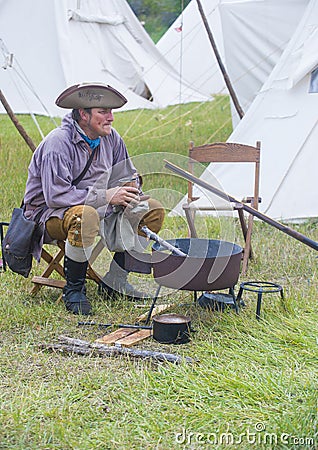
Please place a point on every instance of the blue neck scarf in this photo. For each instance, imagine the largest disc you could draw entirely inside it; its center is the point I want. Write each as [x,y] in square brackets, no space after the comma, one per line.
[93,143]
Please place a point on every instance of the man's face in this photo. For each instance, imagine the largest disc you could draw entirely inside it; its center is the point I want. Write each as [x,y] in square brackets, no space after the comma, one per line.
[98,123]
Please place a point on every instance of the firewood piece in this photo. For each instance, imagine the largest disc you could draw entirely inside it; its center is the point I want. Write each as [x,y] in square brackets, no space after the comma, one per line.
[111,338]
[64,348]
[78,346]
[133,338]
[157,310]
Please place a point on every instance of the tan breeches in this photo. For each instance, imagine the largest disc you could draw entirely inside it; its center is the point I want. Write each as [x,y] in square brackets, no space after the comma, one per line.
[80,224]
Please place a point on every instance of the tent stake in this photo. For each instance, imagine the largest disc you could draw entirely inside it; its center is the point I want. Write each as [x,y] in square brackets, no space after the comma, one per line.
[221,65]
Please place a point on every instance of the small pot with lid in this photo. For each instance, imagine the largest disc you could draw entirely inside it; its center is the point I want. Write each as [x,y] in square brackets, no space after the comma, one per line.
[171,328]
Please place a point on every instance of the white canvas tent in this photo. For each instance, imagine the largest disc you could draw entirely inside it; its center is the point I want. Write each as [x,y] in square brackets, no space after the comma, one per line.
[283,117]
[250,36]
[47,45]
[256,33]
[186,46]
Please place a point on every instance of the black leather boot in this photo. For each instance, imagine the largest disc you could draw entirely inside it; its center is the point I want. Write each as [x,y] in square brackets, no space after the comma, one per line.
[115,281]
[74,292]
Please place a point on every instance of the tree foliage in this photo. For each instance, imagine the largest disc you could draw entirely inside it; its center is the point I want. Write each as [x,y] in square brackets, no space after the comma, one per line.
[157,15]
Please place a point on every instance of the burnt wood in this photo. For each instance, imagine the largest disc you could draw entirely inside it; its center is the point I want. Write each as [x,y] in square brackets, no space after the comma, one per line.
[77,346]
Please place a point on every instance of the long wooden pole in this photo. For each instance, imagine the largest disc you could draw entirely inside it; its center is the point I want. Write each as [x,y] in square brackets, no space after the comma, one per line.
[293,233]
[17,124]
[221,65]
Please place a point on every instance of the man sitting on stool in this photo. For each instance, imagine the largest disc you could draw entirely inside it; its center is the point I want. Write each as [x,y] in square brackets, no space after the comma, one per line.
[73,212]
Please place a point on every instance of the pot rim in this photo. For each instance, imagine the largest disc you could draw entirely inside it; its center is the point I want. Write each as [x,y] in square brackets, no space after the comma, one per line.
[171,319]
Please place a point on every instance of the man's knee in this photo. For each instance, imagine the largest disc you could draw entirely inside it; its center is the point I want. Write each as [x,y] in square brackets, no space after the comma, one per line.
[81,224]
[154,218]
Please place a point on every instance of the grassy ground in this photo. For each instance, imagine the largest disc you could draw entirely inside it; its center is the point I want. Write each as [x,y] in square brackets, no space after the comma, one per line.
[254,384]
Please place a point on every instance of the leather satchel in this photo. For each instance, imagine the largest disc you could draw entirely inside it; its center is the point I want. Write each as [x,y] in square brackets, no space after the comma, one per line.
[17,243]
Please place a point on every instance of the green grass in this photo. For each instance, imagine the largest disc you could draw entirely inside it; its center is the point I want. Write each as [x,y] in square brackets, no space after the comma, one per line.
[255,382]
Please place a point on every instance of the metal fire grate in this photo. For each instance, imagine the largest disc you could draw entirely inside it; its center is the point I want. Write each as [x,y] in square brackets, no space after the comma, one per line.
[261,287]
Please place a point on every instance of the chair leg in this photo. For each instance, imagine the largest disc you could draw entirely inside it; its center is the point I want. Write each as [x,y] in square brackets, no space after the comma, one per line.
[190,215]
[96,251]
[93,275]
[247,233]
[53,262]
[239,300]
[248,246]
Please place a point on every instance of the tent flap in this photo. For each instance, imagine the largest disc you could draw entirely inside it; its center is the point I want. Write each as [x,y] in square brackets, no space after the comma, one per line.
[109,20]
[101,40]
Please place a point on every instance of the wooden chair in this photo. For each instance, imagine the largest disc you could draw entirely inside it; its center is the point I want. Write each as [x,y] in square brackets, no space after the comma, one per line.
[226,152]
[53,267]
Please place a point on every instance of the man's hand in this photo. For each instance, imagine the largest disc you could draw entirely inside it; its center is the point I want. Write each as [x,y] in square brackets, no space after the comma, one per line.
[123,195]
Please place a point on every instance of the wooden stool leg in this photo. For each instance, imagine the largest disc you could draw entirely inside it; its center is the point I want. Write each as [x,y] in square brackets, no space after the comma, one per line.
[53,265]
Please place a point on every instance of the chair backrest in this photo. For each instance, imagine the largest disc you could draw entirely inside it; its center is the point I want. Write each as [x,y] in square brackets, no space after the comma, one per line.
[227,152]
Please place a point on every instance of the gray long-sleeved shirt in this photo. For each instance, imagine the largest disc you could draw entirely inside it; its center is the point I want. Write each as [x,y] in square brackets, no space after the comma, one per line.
[59,159]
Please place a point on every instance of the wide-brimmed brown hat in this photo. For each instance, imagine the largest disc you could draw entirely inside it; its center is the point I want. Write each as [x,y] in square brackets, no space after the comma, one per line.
[90,95]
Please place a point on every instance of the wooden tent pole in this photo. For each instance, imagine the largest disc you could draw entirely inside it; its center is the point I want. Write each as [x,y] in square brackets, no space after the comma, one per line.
[221,65]
[17,124]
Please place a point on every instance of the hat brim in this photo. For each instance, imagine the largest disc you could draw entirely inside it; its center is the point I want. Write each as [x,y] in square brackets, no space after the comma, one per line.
[90,96]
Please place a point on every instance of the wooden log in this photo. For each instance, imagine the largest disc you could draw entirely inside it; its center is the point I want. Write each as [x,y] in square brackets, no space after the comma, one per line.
[157,310]
[64,348]
[78,346]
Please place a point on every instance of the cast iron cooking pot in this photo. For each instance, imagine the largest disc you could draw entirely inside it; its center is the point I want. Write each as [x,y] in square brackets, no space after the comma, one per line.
[209,265]
[171,328]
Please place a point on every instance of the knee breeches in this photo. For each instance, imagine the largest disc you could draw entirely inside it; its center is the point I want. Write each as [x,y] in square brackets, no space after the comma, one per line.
[80,224]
